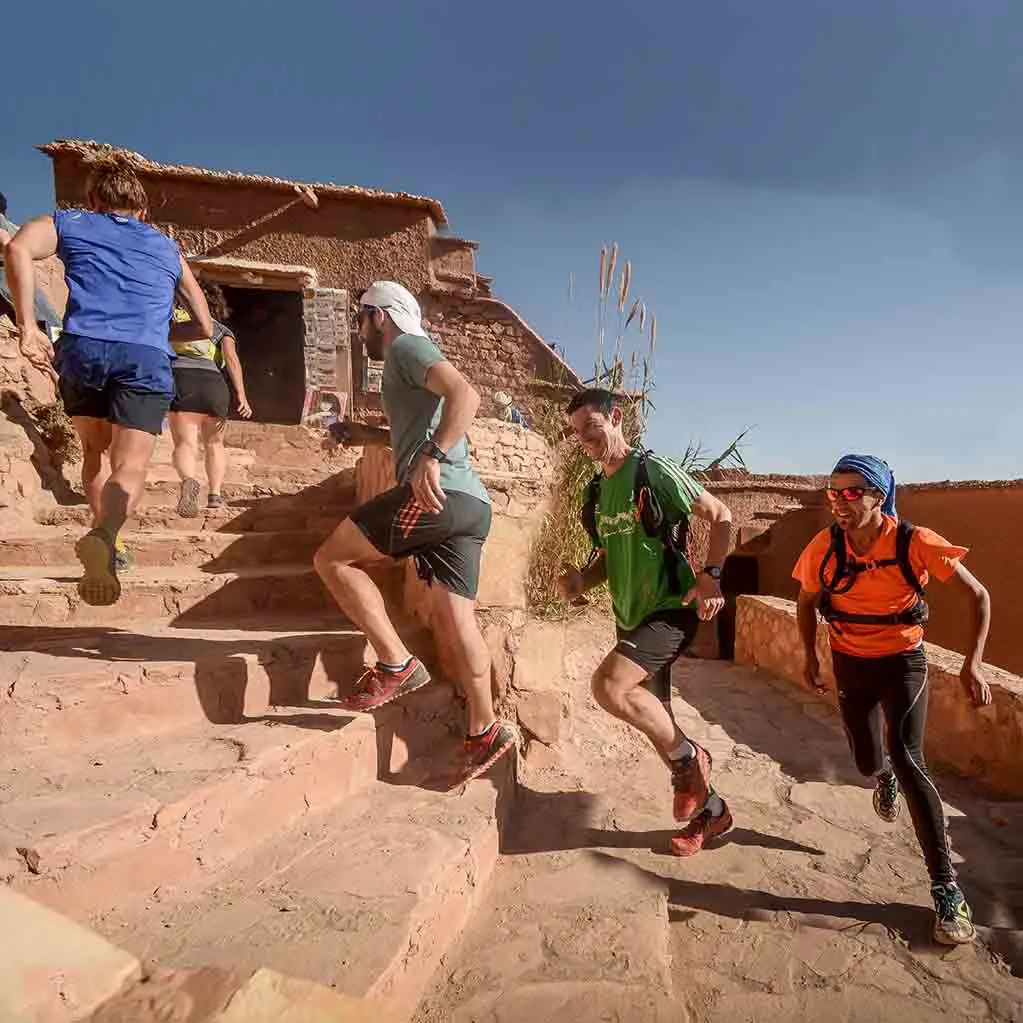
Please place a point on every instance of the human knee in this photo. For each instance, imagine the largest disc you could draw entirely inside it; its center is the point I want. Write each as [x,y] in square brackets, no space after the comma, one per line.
[605,691]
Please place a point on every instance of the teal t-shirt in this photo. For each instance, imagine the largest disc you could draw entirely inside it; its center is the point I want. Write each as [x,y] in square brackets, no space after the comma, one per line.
[636,573]
[414,413]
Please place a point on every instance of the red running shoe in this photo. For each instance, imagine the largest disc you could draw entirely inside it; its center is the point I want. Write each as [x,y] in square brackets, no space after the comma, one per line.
[691,782]
[699,831]
[378,686]
[481,752]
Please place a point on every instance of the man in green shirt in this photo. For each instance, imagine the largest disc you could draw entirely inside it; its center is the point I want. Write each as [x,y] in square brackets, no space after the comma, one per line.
[438,514]
[657,607]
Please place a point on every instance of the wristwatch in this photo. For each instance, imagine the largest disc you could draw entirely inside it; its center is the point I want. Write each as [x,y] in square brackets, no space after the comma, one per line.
[714,571]
[430,450]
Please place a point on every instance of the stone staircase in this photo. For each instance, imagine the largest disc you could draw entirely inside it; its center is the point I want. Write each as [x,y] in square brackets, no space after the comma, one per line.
[175,774]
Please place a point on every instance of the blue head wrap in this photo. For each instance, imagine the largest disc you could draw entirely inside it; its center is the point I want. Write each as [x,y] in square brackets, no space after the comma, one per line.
[877,474]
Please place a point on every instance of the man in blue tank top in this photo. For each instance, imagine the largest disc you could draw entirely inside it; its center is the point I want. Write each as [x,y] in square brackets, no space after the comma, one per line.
[113,360]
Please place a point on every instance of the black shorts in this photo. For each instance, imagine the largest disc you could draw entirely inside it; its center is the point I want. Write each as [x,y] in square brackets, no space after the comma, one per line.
[126,384]
[657,642]
[201,390]
[447,547]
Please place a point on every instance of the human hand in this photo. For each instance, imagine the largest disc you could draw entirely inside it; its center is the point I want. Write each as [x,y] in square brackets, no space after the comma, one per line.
[244,408]
[570,583]
[425,482]
[812,673]
[38,350]
[707,594]
[975,684]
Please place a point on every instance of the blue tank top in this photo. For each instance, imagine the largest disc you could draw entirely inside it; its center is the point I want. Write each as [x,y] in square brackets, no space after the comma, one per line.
[121,275]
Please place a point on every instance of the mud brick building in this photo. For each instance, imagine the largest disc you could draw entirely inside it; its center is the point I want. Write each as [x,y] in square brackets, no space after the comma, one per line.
[294,257]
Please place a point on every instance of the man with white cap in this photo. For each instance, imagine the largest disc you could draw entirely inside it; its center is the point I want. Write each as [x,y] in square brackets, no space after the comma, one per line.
[439,514]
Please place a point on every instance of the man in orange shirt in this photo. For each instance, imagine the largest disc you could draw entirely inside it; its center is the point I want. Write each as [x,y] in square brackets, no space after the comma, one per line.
[866,574]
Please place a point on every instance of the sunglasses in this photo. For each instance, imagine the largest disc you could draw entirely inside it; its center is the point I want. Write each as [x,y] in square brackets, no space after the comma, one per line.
[364,311]
[849,494]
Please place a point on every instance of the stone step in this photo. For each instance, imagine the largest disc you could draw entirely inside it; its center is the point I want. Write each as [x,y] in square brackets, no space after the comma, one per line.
[231,519]
[64,688]
[105,826]
[365,898]
[46,595]
[215,552]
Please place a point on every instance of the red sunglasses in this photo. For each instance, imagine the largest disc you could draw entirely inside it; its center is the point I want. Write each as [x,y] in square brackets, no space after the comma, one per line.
[850,494]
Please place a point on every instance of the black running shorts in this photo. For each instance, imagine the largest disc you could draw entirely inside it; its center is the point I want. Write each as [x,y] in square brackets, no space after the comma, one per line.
[657,642]
[447,547]
[201,390]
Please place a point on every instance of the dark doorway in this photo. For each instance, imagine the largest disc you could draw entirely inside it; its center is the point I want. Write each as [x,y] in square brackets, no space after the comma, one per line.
[270,332]
[740,575]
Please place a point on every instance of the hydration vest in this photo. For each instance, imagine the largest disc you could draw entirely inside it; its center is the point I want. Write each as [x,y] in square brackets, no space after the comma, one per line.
[671,532]
[847,572]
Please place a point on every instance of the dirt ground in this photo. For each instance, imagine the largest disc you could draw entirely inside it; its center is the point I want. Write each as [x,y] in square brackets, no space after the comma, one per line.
[812,908]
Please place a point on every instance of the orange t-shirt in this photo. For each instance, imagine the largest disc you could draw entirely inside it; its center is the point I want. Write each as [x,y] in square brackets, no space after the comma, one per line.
[880,590]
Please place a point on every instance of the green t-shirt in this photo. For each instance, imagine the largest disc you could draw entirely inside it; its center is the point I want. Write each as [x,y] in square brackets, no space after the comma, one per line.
[414,414]
[636,572]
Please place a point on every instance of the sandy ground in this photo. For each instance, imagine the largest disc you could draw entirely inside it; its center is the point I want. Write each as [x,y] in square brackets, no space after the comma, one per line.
[812,908]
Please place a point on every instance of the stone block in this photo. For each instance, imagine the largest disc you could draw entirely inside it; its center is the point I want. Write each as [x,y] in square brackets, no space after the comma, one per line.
[53,969]
[271,997]
[540,656]
[545,715]
[505,563]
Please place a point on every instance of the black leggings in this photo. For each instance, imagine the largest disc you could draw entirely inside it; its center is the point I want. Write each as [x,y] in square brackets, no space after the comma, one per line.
[896,685]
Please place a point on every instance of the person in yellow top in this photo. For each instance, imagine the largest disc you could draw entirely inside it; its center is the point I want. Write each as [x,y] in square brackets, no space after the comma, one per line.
[202,403]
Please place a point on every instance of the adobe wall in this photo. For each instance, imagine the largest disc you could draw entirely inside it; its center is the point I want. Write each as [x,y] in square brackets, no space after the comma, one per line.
[775,517]
[493,347]
[349,242]
[984,744]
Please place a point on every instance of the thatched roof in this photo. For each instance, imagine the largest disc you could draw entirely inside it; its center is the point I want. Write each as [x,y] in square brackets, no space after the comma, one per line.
[86,148]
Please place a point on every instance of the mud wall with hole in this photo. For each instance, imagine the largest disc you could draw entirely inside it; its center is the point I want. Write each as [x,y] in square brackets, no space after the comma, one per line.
[984,744]
[774,519]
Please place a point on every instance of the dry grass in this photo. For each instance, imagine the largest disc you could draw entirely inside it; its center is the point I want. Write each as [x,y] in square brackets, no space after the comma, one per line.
[57,432]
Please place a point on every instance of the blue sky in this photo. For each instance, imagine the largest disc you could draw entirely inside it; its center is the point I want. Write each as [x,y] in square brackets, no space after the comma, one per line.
[821,199]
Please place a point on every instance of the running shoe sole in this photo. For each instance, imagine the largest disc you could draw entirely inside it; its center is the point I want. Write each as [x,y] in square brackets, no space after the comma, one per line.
[420,677]
[684,851]
[485,766]
[888,818]
[188,501]
[99,586]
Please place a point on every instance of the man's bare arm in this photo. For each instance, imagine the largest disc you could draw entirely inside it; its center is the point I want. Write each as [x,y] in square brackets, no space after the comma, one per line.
[461,402]
[972,676]
[719,515]
[35,240]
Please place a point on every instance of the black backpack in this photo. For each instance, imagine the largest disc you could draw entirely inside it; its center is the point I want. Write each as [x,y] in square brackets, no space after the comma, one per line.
[847,572]
[672,532]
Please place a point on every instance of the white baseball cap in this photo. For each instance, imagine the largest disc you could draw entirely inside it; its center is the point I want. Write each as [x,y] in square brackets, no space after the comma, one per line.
[399,303]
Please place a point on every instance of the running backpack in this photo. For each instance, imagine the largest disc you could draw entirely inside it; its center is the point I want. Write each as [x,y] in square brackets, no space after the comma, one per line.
[847,572]
[672,532]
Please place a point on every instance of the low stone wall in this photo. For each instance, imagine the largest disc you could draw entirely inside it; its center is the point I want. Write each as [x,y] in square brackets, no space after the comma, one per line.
[984,744]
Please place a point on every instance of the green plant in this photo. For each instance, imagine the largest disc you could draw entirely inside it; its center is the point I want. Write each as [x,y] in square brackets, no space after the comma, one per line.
[626,343]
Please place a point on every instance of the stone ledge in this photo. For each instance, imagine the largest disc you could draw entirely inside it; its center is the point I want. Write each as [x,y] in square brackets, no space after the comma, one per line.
[52,968]
[985,745]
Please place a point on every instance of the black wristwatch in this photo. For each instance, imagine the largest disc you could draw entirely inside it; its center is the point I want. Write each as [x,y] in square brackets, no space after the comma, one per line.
[714,571]
[430,450]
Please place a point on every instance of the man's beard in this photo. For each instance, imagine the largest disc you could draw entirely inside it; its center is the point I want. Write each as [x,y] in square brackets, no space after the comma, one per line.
[375,345]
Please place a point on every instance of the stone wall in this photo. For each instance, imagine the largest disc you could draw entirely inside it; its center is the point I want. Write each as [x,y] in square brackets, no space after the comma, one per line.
[494,347]
[325,314]
[983,744]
